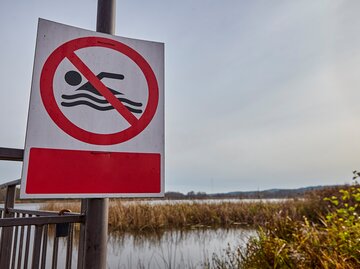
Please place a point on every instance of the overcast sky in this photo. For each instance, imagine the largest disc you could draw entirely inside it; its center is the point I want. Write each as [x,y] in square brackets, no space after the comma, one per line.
[259,94]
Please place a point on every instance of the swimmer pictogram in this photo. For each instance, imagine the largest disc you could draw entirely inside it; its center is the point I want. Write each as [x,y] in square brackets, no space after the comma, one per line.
[87,94]
[95,94]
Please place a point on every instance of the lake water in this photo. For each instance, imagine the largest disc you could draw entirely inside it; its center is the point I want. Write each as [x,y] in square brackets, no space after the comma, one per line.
[170,249]
[173,249]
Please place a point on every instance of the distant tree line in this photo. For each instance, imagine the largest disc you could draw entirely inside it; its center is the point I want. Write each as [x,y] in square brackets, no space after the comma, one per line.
[266,194]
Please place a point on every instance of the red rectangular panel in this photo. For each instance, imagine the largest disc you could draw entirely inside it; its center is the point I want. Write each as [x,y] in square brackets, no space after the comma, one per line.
[54,171]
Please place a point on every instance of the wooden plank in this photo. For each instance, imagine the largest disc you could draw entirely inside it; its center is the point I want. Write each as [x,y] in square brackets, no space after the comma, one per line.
[40,220]
[11,154]
[7,233]
[37,247]
[42,212]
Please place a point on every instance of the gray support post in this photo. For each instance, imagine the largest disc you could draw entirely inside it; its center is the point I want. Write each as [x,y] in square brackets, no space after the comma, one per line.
[7,232]
[96,227]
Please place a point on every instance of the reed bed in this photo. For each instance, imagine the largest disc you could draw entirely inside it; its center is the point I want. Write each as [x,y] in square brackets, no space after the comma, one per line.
[142,216]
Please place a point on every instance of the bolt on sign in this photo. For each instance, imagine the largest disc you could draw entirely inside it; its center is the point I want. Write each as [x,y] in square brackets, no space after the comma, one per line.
[96,116]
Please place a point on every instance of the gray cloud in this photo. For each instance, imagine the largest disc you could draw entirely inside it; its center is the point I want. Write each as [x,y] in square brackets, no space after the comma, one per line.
[259,94]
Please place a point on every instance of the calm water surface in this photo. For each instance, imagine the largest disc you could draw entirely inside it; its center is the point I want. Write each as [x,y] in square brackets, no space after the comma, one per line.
[170,249]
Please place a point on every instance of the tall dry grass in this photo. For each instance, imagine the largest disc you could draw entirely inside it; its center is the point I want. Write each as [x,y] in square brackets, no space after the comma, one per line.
[142,216]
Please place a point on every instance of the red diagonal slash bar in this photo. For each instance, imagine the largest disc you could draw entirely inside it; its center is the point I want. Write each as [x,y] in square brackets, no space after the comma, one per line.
[103,90]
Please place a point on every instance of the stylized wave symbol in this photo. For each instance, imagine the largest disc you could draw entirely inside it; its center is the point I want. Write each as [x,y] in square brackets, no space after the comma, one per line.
[96,103]
[97,100]
[101,108]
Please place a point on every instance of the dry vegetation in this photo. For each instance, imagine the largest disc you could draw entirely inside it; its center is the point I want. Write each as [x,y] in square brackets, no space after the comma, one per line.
[332,240]
[136,217]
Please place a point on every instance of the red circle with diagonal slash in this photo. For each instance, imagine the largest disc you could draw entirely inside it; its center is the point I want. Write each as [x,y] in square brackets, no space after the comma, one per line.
[67,50]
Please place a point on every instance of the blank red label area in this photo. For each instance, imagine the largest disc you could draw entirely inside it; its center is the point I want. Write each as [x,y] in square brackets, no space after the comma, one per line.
[54,171]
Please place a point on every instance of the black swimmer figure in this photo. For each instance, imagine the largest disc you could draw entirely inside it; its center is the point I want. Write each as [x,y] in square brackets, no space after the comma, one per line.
[74,78]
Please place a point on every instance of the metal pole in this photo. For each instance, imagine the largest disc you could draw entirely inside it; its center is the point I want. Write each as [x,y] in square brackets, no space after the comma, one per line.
[105,22]
[96,234]
[96,227]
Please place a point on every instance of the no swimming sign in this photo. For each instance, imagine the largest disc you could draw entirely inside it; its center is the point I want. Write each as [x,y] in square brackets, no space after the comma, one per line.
[96,116]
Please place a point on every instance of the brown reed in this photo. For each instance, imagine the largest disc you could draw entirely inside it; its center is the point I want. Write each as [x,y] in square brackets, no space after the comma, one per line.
[145,216]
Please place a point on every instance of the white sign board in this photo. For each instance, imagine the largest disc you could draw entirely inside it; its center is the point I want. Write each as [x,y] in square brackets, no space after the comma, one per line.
[96,116]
